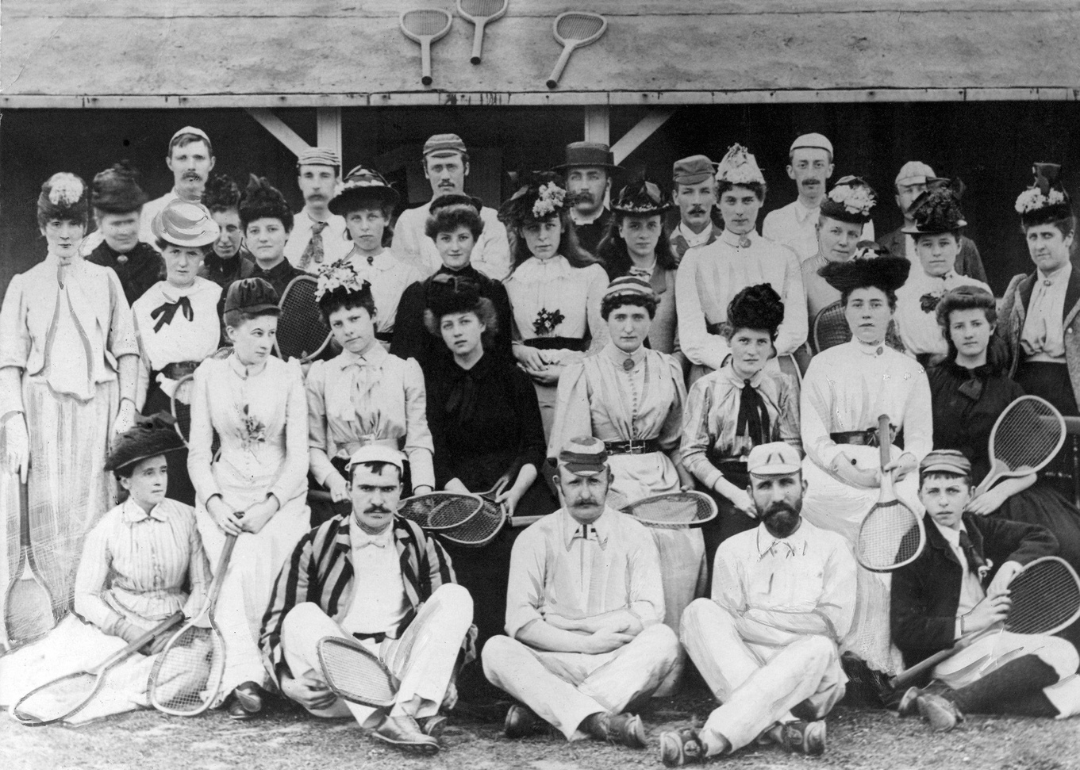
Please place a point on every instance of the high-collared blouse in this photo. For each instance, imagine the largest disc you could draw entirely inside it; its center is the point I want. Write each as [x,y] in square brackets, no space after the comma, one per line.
[1043,335]
[551,298]
[711,418]
[353,400]
[90,304]
[175,324]
[560,567]
[136,566]
[710,276]
[916,310]
[389,277]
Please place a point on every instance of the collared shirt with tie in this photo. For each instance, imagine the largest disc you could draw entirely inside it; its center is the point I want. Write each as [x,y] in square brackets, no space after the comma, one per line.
[971,587]
[332,242]
[378,602]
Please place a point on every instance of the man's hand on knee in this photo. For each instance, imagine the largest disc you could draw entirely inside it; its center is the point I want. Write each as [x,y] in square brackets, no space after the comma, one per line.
[308,690]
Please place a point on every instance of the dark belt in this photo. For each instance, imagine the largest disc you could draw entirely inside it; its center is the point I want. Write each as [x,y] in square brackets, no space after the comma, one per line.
[558,343]
[866,437]
[633,447]
[177,370]
[377,638]
[734,469]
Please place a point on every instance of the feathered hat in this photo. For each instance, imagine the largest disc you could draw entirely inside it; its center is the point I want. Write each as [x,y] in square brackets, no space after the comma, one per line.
[221,193]
[539,197]
[264,201]
[756,307]
[116,190]
[642,198]
[1045,200]
[850,200]
[63,196]
[937,210]
[870,266]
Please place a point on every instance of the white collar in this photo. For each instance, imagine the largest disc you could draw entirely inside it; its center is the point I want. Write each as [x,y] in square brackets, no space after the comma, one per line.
[579,219]
[536,269]
[802,212]
[599,528]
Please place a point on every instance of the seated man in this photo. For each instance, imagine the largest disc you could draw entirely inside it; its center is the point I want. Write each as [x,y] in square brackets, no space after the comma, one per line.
[381,580]
[939,597]
[767,641]
[584,614]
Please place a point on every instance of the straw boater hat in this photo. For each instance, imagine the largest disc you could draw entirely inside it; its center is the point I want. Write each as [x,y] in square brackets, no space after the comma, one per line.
[185,224]
[937,210]
[362,185]
[850,200]
[116,190]
[756,307]
[642,198]
[589,154]
[63,196]
[1045,200]
[539,197]
[150,438]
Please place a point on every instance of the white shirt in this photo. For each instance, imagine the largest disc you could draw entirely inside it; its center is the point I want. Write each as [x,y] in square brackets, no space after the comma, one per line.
[795,226]
[694,239]
[335,245]
[916,309]
[491,255]
[1042,337]
[378,602]
[389,277]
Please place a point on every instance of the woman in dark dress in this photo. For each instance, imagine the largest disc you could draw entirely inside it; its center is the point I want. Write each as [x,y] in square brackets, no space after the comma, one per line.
[485,422]
[969,390]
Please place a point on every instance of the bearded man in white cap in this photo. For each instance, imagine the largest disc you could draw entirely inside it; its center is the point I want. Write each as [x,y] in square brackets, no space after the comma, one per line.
[318,236]
[376,578]
[810,165]
[914,179]
[767,642]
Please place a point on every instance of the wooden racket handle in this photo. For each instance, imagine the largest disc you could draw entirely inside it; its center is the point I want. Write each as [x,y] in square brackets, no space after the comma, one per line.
[560,66]
[884,439]
[910,674]
[143,640]
[523,521]
[425,61]
[478,42]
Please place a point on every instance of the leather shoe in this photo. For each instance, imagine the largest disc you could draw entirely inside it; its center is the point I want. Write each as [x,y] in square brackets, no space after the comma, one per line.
[681,747]
[236,710]
[807,737]
[522,721]
[940,712]
[249,696]
[404,733]
[433,725]
[626,729]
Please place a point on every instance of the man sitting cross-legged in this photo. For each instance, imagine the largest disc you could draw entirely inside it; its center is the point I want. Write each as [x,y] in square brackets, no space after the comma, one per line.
[379,579]
[939,597]
[584,614]
[766,642]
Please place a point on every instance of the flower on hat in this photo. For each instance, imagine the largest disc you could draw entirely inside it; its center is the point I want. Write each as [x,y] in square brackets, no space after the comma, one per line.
[1033,199]
[550,200]
[66,190]
[340,275]
[739,167]
[855,198]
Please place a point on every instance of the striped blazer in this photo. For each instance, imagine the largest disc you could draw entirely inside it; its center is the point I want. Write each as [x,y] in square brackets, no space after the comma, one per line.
[320,571]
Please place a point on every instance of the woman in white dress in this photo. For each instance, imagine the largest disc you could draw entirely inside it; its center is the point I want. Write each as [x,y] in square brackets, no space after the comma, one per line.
[555,288]
[845,389]
[257,486]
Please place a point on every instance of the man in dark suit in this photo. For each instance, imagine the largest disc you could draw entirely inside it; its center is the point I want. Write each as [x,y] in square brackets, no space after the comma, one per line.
[912,181]
[694,179]
[588,170]
[940,598]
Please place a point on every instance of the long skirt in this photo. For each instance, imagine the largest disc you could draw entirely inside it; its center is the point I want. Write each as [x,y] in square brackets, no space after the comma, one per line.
[68,487]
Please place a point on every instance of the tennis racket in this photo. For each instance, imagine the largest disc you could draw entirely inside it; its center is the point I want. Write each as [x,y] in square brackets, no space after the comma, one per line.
[574,29]
[481,13]
[302,332]
[356,674]
[673,510]
[830,327]
[1045,600]
[425,26]
[64,697]
[1025,438]
[181,407]
[892,534]
[489,520]
[28,604]
[187,675]
[440,510]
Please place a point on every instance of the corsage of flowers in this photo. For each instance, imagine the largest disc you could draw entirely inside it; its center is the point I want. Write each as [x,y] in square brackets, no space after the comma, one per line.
[856,199]
[550,200]
[254,431]
[929,301]
[546,321]
[340,275]
[66,190]
[1033,199]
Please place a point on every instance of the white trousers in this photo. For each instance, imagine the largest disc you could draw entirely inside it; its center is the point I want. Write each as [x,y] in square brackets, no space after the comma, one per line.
[565,687]
[249,581]
[757,685]
[423,659]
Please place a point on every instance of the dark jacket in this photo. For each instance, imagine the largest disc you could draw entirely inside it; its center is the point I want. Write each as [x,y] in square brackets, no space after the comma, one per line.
[926,593]
[138,270]
[968,261]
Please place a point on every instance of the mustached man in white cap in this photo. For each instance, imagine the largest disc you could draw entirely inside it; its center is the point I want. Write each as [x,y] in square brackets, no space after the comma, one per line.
[810,165]
[446,164]
[767,642]
[914,179]
[584,614]
[377,578]
[318,236]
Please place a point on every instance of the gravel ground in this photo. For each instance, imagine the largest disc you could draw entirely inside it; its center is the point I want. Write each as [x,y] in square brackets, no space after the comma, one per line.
[287,738]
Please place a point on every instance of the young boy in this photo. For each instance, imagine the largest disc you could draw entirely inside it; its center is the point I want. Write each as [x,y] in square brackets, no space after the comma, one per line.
[959,586]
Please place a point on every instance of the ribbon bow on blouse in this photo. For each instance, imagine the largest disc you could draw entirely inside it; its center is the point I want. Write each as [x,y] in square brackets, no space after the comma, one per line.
[753,420]
[463,395]
[165,312]
[379,541]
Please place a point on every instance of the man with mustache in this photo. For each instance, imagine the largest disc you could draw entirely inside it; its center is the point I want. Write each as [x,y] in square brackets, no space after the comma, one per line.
[783,595]
[379,579]
[588,168]
[446,164]
[810,164]
[584,614]
[318,236]
[914,179]
[695,195]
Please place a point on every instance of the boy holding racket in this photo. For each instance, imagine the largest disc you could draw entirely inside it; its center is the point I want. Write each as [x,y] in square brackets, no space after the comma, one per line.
[958,586]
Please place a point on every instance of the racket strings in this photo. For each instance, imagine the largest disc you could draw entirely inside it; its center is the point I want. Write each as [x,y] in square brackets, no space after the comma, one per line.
[452,513]
[481,528]
[1044,597]
[356,673]
[679,508]
[301,328]
[56,699]
[1026,435]
[425,23]
[888,536]
[831,328]
[186,677]
[576,27]
[29,610]
[482,8]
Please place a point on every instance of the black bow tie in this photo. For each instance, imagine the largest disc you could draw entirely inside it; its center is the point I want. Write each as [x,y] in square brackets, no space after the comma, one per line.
[164,313]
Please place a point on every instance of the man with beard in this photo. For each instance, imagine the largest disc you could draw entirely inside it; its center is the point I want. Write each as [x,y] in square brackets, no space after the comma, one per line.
[587,169]
[318,237]
[584,614]
[795,225]
[446,164]
[695,195]
[914,179]
[766,643]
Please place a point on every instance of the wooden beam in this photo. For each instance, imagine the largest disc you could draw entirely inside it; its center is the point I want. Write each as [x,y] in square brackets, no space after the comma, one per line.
[279,130]
[328,128]
[645,128]
[598,124]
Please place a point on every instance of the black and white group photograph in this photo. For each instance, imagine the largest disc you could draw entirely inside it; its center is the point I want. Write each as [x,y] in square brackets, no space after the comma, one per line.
[541,384]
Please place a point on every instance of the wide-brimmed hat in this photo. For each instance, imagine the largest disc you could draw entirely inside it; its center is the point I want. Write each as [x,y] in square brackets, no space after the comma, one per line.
[937,210]
[116,190]
[1046,199]
[591,154]
[252,295]
[540,196]
[186,224]
[64,196]
[850,200]
[363,185]
[150,438]
[866,269]
[642,198]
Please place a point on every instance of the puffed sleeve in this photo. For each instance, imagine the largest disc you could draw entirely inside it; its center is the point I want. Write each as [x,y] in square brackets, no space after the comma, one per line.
[788,420]
[494,247]
[597,285]
[292,480]
[919,417]
[792,332]
[573,415]
[122,340]
[671,430]
[814,408]
[418,444]
[699,346]
[200,452]
[696,440]
[15,342]
[318,438]
[142,377]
